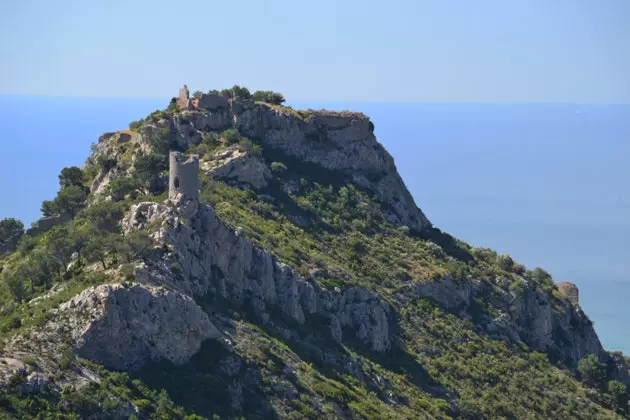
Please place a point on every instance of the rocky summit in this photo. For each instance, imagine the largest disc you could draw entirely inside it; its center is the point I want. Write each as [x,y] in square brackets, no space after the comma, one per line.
[231,257]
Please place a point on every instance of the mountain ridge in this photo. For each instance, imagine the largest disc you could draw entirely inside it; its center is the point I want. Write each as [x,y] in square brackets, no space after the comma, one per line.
[350,209]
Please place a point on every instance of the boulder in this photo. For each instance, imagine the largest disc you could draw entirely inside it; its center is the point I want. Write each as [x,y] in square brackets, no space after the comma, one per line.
[570,291]
[240,168]
[126,327]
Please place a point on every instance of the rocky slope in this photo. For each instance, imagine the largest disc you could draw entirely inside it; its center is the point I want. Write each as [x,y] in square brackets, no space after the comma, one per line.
[303,282]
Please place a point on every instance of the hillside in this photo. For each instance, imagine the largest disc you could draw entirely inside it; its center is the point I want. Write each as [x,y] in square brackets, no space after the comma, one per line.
[232,257]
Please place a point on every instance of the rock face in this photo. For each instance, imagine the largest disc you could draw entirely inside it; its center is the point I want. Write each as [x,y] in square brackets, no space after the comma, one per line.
[240,168]
[213,102]
[556,327]
[124,328]
[341,142]
[214,259]
[570,292]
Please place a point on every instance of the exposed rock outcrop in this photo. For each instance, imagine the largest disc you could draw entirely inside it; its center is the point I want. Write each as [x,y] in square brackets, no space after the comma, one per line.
[240,168]
[570,292]
[556,327]
[212,258]
[342,142]
[126,327]
[213,102]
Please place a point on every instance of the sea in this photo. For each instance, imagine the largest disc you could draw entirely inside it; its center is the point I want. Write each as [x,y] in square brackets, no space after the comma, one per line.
[548,184]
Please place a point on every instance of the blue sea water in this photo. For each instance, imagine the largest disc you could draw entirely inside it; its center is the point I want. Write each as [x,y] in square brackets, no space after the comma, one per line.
[548,184]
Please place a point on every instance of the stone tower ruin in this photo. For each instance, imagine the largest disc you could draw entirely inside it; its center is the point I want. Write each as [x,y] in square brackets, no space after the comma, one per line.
[183,99]
[183,175]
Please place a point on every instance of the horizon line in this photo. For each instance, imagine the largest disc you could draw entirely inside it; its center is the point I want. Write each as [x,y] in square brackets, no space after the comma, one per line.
[340,101]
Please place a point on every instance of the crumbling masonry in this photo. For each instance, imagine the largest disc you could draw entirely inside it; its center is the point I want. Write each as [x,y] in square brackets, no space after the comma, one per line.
[183,176]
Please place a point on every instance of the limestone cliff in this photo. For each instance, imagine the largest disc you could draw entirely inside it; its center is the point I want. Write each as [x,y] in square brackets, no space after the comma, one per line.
[213,259]
[339,141]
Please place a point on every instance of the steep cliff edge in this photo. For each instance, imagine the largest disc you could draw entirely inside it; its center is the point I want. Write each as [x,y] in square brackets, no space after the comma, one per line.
[294,278]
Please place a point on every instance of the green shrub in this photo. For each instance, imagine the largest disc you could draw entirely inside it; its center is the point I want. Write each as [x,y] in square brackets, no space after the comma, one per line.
[592,371]
[11,230]
[122,186]
[245,144]
[106,162]
[211,139]
[172,106]
[143,406]
[231,136]
[67,359]
[278,167]
[135,125]
[12,323]
[268,96]
[619,394]
[517,287]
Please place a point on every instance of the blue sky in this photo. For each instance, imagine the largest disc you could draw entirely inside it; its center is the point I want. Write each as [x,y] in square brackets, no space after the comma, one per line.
[571,51]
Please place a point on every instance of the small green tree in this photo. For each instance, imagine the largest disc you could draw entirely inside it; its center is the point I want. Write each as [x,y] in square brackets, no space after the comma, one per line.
[70,176]
[49,208]
[106,162]
[135,125]
[39,269]
[268,96]
[134,245]
[540,277]
[164,406]
[225,92]
[148,167]
[619,394]
[71,199]
[60,247]
[237,92]
[11,230]
[231,136]
[278,167]
[122,186]
[102,247]
[592,371]
[161,140]
[105,216]
[15,284]
[197,94]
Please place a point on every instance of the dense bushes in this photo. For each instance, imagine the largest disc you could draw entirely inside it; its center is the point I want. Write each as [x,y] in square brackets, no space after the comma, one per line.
[108,398]
[94,236]
[268,96]
[11,230]
[240,92]
[72,196]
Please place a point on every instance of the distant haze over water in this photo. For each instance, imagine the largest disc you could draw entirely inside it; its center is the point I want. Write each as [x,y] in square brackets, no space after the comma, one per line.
[547,184]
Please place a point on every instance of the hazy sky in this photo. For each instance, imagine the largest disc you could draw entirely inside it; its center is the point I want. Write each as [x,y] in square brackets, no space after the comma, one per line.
[394,50]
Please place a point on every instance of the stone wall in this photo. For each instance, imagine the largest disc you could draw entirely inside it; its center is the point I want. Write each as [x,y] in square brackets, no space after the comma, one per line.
[47,223]
[183,175]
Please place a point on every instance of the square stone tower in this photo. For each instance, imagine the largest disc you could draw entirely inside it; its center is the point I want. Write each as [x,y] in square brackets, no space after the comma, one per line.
[183,175]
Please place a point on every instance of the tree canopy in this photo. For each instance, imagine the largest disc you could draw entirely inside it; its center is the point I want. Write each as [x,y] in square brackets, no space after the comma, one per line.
[71,176]
[268,96]
[11,230]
